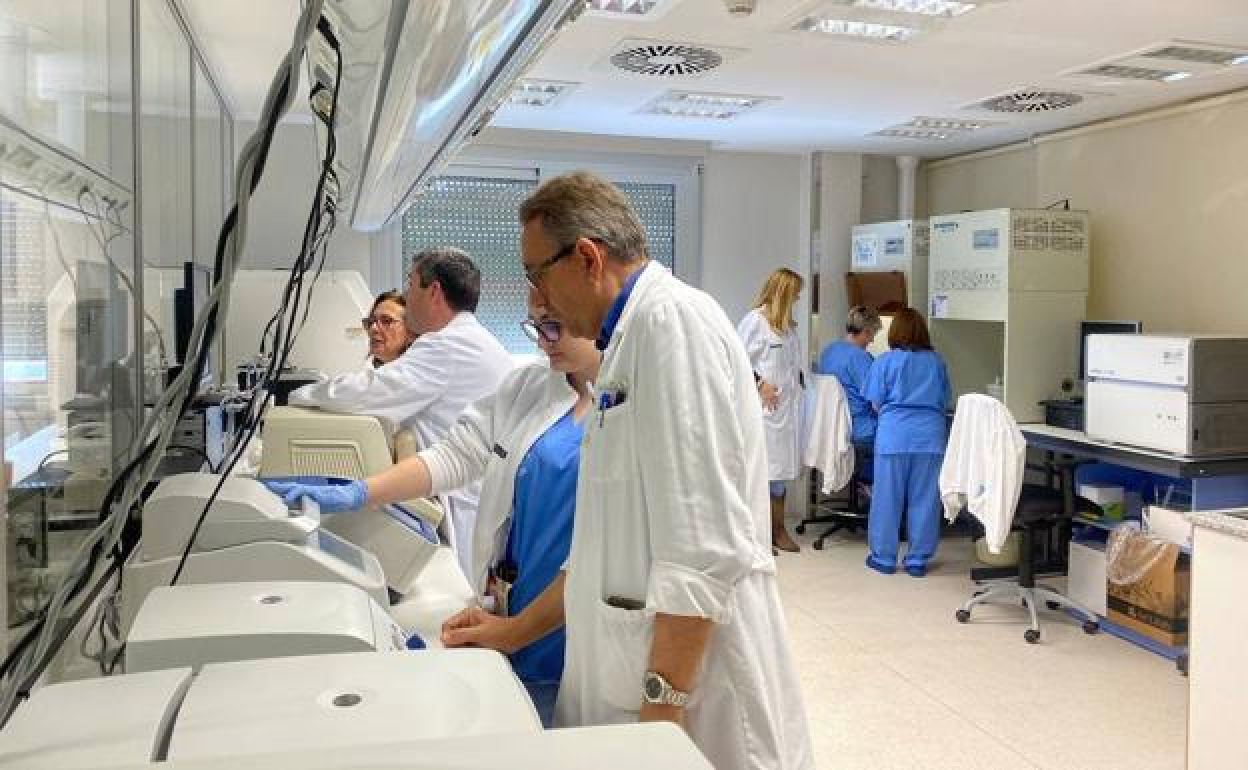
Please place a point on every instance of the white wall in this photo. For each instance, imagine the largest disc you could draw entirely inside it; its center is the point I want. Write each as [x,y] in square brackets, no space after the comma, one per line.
[840,208]
[280,206]
[755,218]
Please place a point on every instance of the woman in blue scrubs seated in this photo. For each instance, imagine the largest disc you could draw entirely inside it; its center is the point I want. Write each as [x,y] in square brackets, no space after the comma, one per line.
[849,362]
[524,443]
[909,388]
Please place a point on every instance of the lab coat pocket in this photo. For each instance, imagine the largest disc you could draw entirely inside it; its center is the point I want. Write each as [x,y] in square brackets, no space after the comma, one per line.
[626,636]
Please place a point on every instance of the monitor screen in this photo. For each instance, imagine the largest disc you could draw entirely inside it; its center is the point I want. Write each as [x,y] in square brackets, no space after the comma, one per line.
[1101,327]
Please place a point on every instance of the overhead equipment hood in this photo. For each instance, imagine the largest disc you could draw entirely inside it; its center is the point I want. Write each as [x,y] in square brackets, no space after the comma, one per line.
[420,77]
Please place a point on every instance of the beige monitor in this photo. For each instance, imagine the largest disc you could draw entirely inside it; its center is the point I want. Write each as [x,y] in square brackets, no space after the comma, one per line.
[310,442]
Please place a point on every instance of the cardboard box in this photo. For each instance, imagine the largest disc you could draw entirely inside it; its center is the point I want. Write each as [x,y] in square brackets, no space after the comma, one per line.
[1156,604]
[1085,576]
[1168,524]
[1111,498]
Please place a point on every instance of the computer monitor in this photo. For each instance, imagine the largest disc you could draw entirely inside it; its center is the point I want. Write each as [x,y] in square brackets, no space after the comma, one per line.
[187,302]
[1101,327]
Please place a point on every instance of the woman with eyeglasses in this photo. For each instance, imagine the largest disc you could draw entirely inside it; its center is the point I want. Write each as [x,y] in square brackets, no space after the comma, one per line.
[388,335]
[524,443]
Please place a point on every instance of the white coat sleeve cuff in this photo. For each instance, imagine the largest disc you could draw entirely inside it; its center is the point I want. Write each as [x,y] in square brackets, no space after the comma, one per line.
[441,472]
[675,589]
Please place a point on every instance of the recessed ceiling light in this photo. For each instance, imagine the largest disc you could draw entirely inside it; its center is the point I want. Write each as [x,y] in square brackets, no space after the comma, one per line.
[864,30]
[913,133]
[1129,72]
[1197,53]
[539,93]
[946,124]
[691,104]
[940,8]
[627,8]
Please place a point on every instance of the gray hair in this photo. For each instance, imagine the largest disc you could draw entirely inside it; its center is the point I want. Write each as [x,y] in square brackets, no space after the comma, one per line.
[584,205]
[455,271]
[863,319]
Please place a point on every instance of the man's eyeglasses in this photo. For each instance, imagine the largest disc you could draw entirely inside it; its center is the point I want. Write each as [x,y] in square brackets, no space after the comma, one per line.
[384,321]
[548,331]
[535,274]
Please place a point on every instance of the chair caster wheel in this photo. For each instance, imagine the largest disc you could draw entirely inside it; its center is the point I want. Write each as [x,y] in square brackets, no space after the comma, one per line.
[1181,664]
[1055,606]
[1091,626]
[818,545]
[1031,635]
[963,616]
[801,529]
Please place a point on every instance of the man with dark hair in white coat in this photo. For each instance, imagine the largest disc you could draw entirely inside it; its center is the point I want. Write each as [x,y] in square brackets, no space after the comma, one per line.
[669,596]
[453,362]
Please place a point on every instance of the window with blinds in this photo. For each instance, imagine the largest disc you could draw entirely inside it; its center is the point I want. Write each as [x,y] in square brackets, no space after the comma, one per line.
[478,215]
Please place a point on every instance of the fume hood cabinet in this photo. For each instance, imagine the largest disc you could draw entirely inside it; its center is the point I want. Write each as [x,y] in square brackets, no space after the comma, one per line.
[419,78]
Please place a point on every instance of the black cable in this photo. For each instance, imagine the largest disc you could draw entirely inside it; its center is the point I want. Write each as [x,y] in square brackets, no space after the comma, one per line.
[298,271]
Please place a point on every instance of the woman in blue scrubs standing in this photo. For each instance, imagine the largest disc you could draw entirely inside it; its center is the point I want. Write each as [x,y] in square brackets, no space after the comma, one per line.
[909,388]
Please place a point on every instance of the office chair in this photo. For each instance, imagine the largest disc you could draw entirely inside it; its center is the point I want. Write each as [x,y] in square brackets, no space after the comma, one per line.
[985,463]
[834,460]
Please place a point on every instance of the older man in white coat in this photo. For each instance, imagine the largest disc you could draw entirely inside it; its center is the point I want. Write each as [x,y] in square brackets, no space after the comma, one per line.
[669,596]
[454,361]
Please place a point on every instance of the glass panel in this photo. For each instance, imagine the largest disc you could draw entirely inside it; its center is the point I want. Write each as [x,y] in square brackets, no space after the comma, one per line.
[166,172]
[479,215]
[209,169]
[68,384]
[65,77]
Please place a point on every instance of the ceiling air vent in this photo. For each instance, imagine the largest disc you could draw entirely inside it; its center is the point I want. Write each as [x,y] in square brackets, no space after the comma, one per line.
[667,59]
[1029,100]
[1125,72]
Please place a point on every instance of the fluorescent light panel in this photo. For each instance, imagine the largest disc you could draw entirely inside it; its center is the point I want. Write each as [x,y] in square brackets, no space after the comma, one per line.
[946,124]
[864,30]
[939,8]
[913,133]
[1129,72]
[630,8]
[690,104]
[539,93]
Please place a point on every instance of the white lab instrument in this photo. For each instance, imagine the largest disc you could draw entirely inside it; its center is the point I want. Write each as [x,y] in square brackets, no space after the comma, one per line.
[95,722]
[354,699]
[332,340]
[191,625]
[1006,291]
[248,535]
[902,245]
[1183,394]
[299,441]
[611,747]
[440,592]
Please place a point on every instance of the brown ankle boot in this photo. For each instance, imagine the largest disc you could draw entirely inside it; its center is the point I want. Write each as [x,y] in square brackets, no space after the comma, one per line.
[779,535]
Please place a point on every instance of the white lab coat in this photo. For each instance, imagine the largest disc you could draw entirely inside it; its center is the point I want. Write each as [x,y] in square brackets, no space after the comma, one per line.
[672,509]
[830,447]
[778,360]
[983,466]
[425,390]
[489,442]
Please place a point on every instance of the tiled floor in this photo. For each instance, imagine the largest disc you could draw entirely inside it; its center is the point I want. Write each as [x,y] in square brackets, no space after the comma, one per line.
[891,680]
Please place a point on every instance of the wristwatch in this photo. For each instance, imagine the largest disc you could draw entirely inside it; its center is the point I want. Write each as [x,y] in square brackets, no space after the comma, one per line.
[655,689]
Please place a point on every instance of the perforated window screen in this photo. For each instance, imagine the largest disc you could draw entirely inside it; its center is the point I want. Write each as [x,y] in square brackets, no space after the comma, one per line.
[478,215]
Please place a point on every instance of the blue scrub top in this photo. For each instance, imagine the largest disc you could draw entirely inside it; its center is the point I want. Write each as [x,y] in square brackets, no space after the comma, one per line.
[541,534]
[850,364]
[910,391]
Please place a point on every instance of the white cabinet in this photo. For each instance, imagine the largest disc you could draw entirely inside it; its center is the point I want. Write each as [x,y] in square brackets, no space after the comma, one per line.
[1217,696]
[886,246]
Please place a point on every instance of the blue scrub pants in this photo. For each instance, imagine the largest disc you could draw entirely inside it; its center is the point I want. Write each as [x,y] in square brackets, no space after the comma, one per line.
[910,483]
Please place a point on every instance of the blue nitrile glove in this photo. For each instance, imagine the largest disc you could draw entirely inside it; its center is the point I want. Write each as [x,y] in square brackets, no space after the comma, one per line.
[332,498]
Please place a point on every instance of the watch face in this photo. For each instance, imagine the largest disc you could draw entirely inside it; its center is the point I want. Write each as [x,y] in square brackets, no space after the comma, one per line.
[654,687]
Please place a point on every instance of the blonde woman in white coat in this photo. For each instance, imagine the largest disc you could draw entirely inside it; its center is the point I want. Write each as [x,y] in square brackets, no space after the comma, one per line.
[523,443]
[770,336]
